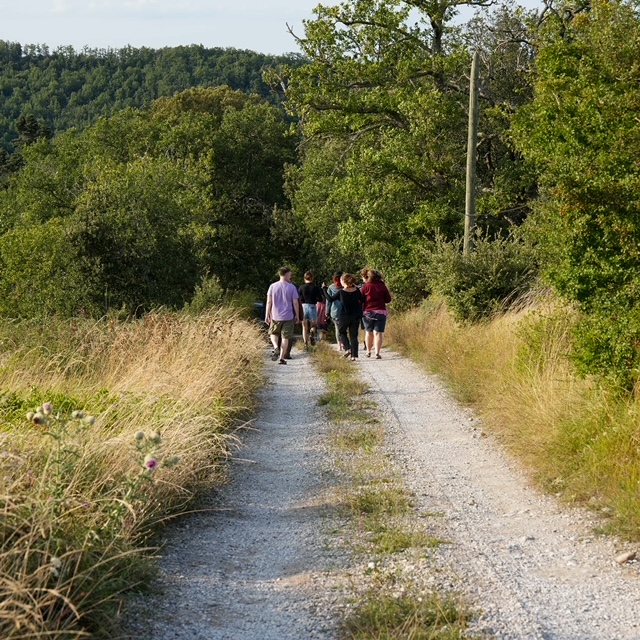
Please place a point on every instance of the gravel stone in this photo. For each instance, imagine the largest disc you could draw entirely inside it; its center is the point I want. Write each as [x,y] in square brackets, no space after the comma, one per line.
[531,567]
[266,560]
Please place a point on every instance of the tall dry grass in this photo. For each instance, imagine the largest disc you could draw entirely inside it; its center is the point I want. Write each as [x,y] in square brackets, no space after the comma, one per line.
[80,499]
[578,440]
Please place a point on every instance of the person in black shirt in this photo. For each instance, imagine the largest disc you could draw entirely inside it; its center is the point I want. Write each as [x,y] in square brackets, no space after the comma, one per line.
[310,293]
[352,300]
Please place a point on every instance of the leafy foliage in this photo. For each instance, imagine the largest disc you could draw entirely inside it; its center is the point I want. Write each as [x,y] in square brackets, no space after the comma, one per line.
[382,107]
[483,283]
[132,212]
[581,131]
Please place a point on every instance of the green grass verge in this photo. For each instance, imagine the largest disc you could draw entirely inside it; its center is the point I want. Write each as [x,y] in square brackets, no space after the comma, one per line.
[384,519]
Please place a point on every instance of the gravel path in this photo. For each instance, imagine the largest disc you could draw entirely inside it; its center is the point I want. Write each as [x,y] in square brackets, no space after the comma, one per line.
[533,568]
[262,566]
[256,566]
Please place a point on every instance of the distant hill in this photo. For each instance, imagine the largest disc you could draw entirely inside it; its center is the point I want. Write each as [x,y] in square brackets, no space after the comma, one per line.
[67,88]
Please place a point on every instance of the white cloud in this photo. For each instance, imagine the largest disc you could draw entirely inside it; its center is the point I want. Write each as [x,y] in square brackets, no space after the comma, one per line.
[59,6]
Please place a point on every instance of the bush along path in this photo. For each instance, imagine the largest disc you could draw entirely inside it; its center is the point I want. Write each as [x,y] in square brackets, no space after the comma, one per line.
[366,503]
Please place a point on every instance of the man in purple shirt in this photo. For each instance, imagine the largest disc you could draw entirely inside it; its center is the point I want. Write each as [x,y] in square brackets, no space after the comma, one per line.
[282,313]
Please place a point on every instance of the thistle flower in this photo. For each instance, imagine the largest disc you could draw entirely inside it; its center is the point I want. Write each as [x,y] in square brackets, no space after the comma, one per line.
[77,415]
[47,408]
[38,418]
[90,420]
[171,461]
[56,564]
[150,463]
[139,435]
[30,416]
[155,437]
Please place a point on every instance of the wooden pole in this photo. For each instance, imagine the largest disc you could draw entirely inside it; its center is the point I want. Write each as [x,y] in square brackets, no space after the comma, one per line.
[472,143]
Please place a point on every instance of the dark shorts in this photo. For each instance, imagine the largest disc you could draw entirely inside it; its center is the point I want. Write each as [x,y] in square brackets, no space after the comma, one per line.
[284,328]
[374,321]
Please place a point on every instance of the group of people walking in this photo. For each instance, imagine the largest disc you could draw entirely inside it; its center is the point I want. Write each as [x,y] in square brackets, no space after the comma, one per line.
[348,305]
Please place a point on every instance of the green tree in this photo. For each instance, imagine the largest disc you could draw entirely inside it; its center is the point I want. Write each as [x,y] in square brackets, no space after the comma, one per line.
[380,115]
[148,202]
[41,272]
[581,131]
[382,108]
[243,144]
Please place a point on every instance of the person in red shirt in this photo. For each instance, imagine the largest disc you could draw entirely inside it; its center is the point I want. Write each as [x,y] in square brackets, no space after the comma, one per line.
[377,297]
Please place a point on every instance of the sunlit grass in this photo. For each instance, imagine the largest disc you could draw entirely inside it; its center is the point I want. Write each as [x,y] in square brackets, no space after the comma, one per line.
[80,499]
[406,616]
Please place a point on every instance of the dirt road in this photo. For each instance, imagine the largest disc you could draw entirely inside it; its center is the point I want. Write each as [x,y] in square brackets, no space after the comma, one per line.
[261,565]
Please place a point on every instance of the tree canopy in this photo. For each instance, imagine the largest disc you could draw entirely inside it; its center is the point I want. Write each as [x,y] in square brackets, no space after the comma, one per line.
[382,110]
[135,210]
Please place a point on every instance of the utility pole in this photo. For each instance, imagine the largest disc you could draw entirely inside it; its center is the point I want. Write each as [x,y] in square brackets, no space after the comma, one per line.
[472,143]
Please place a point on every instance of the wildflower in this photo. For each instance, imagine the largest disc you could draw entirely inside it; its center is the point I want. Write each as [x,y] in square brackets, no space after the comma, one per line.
[150,463]
[155,437]
[38,418]
[77,415]
[47,408]
[56,564]
[90,420]
[140,435]
[30,416]
[171,461]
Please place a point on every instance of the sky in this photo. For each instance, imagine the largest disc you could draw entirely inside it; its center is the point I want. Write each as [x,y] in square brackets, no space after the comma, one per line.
[258,25]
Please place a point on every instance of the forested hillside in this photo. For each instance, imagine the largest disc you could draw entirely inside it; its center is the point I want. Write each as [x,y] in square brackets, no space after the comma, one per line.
[65,88]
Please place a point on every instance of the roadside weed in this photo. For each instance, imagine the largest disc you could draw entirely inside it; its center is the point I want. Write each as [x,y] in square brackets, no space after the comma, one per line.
[82,498]
[406,616]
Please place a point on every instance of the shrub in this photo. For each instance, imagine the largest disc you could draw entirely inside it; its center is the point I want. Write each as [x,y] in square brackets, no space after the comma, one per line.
[479,285]
[209,294]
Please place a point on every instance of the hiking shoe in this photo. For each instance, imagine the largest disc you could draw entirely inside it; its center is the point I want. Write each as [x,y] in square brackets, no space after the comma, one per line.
[275,354]
[281,361]
[378,356]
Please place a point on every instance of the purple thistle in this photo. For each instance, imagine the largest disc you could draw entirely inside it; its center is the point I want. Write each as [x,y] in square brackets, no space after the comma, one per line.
[150,463]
